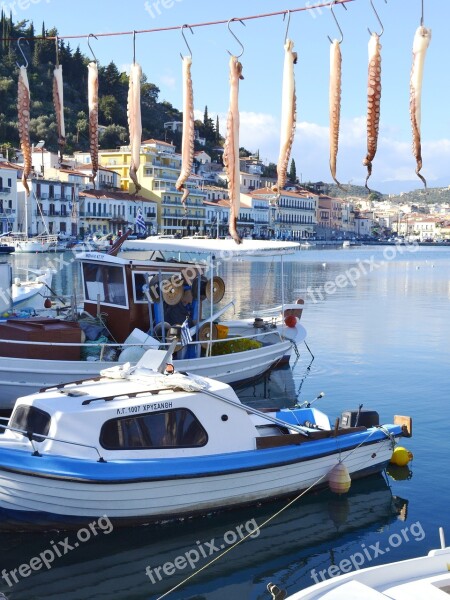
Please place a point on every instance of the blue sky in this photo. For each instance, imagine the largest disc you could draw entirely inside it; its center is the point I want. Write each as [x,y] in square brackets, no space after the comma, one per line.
[260,99]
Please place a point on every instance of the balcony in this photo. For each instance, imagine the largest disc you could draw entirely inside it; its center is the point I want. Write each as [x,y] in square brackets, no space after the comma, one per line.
[4,191]
[92,215]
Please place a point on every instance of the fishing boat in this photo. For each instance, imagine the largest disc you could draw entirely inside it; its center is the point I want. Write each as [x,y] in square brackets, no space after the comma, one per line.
[19,293]
[423,578]
[131,305]
[145,443]
[32,291]
[22,242]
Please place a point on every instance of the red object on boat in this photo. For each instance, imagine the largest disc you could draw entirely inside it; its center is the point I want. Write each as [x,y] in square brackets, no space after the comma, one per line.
[290,321]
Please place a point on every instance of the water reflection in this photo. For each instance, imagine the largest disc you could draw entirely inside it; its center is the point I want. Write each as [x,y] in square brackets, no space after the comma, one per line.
[287,548]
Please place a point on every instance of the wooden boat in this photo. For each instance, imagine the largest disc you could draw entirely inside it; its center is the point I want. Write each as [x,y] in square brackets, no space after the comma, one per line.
[423,578]
[130,299]
[144,444]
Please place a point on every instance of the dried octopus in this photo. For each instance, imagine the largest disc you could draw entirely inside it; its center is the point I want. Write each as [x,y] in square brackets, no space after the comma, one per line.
[421,42]
[231,147]
[135,122]
[373,101]
[23,110]
[335,105]
[58,101]
[93,117]
[187,144]
[288,115]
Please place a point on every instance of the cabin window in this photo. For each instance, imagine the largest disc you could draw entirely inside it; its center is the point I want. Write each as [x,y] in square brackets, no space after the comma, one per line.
[104,282]
[30,418]
[176,428]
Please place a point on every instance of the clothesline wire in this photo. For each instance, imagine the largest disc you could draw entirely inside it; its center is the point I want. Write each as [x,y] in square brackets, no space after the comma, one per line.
[178,27]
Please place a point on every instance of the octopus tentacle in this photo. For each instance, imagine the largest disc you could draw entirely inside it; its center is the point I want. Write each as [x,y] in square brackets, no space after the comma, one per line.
[421,42]
[93,117]
[135,122]
[288,115]
[187,144]
[335,105]
[231,148]
[23,110]
[373,101]
[58,102]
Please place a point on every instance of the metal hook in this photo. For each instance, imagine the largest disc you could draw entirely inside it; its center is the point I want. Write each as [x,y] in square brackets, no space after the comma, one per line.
[378,19]
[57,51]
[21,52]
[235,37]
[89,36]
[185,40]
[288,13]
[336,21]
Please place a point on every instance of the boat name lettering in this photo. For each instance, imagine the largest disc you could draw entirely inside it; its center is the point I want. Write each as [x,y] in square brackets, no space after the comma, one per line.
[126,410]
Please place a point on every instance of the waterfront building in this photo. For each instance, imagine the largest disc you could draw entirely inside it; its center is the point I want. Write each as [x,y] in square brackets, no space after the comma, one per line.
[109,211]
[158,172]
[9,173]
[291,215]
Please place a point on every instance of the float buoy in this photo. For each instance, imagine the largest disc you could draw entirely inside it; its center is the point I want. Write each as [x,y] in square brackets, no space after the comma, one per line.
[290,321]
[47,303]
[401,456]
[339,479]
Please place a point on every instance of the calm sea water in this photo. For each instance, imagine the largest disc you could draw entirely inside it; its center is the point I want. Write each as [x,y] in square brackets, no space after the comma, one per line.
[380,337]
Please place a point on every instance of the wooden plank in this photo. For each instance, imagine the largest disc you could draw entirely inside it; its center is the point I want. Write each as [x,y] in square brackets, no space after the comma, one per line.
[275,441]
[405,423]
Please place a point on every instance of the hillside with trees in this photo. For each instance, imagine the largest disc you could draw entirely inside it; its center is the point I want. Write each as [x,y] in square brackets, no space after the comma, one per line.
[113,92]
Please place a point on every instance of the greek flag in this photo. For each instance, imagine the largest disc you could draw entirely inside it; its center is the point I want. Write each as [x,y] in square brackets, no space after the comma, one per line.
[186,337]
[140,221]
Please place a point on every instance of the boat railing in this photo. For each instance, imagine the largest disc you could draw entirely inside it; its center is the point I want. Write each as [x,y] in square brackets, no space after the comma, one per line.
[31,437]
[150,344]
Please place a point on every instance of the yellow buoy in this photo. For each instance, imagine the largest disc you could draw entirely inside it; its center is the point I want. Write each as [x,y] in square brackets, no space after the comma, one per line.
[401,456]
[339,479]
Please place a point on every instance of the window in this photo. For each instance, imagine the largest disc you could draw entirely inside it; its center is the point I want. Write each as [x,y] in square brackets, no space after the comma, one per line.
[105,282]
[30,418]
[176,428]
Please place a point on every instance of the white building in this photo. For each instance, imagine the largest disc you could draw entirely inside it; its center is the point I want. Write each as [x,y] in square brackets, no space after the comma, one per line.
[8,195]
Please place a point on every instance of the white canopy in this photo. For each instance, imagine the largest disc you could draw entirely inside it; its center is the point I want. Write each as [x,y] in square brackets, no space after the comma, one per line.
[213,246]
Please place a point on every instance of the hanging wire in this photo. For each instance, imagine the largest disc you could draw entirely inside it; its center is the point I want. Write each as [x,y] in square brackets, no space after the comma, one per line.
[92,52]
[57,51]
[288,13]
[378,19]
[134,47]
[421,18]
[193,25]
[22,53]
[336,21]
[185,40]
[235,37]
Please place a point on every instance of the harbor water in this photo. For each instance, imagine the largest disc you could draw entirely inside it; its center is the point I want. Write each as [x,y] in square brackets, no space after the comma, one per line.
[379,329]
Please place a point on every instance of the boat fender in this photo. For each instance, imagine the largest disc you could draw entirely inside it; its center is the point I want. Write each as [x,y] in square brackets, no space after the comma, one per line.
[276,592]
[401,456]
[339,479]
[290,321]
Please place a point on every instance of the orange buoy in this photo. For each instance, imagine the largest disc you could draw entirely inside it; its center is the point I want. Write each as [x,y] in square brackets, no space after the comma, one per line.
[290,321]
[339,479]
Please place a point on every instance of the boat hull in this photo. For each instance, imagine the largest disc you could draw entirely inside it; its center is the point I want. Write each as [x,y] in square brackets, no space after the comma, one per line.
[22,376]
[62,491]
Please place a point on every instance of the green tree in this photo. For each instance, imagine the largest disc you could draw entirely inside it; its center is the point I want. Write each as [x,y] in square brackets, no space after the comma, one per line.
[293,172]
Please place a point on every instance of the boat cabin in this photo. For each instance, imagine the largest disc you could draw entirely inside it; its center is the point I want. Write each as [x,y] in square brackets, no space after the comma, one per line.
[140,294]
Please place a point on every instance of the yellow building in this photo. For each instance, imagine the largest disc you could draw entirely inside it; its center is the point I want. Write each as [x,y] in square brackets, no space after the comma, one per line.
[158,172]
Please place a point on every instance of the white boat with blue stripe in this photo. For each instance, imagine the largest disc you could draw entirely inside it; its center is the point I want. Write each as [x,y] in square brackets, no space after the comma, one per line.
[141,444]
